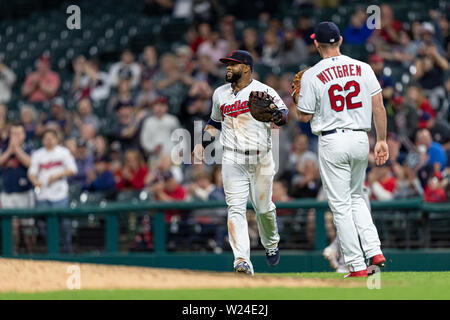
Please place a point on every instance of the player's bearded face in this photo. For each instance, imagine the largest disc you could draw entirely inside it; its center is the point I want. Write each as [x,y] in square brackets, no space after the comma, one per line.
[234,73]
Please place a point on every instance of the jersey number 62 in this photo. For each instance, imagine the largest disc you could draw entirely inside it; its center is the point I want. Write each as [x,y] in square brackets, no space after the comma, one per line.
[338,101]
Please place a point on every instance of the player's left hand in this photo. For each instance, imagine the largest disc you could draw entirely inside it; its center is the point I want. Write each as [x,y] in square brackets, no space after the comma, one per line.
[381,152]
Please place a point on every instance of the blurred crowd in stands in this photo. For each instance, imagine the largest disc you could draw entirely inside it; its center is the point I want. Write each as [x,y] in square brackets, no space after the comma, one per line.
[147,95]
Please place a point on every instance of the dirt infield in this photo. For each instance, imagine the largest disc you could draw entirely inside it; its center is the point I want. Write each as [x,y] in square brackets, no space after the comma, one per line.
[32,276]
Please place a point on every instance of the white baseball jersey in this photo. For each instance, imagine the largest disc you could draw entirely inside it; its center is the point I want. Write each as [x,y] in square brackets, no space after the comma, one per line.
[45,163]
[338,91]
[239,129]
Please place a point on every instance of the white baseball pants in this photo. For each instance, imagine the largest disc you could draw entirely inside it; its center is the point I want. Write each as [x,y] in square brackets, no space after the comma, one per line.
[245,176]
[343,158]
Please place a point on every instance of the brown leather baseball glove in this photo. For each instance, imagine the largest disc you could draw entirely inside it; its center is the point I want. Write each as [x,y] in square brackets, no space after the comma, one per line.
[262,107]
[296,85]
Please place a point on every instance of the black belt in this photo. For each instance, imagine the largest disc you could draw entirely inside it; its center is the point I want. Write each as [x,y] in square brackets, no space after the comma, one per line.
[324,133]
[245,152]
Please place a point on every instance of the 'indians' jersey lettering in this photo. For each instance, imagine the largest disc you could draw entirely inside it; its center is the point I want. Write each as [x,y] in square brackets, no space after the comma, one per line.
[234,109]
[239,129]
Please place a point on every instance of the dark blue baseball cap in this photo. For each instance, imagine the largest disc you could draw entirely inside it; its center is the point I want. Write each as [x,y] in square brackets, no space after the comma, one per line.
[326,32]
[239,56]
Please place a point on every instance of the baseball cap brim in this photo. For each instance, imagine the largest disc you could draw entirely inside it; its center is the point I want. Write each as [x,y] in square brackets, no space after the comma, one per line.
[225,60]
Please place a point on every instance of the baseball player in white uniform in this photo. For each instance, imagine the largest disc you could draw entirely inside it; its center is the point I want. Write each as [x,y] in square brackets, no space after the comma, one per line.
[339,95]
[247,163]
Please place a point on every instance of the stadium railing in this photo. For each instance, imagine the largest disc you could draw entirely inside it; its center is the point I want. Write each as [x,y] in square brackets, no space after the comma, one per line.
[112,210]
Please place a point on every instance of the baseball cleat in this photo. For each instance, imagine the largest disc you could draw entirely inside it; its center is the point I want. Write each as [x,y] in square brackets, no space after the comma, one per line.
[378,260]
[273,256]
[243,267]
[357,274]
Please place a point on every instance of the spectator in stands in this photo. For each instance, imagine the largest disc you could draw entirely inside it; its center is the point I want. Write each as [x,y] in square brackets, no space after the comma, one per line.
[134,171]
[127,69]
[271,49]
[206,70]
[390,27]
[402,116]
[306,183]
[197,35]
[50,166]
[214,47]
[7,80]
[124,96]
[115,155]
[84,116]
[16,187]
[168,189]
[293,49]
[149,64]
[382,183]
[156,133]
[250,43]
[416,97]
[28,119]
[102,178]
[430,67]
[84,162]
[58,119]
[170,82]
[408,184]
[201,188]
[162,165]
[126,130]
[386,82]
[185,56]
[300,153]
[197,106]
[89,82]
[101,147]
[42,84]
[227,32]
[305,30]
[435,191]
[403,53]
[357,31]
[147,95]
[437,157]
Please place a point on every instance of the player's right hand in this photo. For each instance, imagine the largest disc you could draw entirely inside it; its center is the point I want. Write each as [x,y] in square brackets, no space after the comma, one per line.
[381,152]
[198,153]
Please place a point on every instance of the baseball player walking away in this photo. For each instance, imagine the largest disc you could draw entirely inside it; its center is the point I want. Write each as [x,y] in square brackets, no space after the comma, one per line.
[339,95]
[248,167]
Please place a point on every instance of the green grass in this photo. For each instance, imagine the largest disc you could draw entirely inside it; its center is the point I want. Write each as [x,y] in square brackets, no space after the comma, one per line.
[394,285]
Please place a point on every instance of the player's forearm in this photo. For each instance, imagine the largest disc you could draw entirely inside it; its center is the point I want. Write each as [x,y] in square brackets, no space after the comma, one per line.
[304,117]
[379,116]
[211,130]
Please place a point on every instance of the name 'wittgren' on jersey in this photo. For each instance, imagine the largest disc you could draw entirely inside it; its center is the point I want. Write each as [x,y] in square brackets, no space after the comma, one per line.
[342,71]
